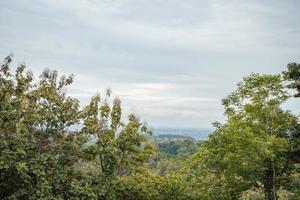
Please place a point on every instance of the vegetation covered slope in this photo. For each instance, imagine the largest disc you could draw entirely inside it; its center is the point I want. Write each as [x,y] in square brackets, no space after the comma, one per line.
[255,154]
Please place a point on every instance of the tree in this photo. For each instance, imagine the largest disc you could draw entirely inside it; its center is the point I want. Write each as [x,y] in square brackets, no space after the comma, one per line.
[118,148]
[252,148]
[37,153]
[41,153]
[293,75]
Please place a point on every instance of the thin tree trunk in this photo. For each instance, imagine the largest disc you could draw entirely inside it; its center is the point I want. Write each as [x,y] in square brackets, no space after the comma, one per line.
[274,181]
[269,184]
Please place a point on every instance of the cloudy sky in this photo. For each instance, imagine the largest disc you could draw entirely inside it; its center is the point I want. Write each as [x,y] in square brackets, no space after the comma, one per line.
[170,61]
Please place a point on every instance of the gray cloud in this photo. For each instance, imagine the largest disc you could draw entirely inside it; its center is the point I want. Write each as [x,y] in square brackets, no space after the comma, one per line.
[170,61]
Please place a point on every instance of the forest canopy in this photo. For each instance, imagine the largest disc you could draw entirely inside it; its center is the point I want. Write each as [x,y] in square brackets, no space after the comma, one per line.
[254,154]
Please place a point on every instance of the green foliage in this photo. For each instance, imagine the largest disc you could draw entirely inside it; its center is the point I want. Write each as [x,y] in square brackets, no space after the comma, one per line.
[253,155]
[172,154]
[119,148]
[293,75]
[40,154]
[252,148]
[37,153]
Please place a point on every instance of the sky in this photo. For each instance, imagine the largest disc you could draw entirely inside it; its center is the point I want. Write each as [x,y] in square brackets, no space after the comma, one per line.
[169,61]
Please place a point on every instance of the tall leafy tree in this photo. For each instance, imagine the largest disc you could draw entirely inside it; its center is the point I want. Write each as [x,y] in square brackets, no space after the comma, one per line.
[41,154]
[252,148]
[118,149]
[37,151]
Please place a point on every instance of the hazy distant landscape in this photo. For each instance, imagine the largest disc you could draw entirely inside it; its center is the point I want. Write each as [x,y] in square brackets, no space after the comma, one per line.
[149,100]
[196,133]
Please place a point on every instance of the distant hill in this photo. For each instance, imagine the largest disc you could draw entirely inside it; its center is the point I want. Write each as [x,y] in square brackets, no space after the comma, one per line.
[173,137]
[181,133]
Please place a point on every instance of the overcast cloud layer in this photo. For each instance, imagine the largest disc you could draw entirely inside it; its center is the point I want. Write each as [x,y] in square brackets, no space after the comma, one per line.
[170,61]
